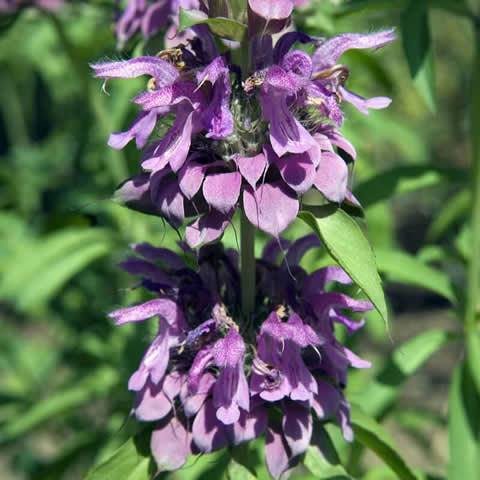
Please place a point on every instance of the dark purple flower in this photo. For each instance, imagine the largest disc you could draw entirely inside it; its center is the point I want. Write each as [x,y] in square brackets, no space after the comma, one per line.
[210,378]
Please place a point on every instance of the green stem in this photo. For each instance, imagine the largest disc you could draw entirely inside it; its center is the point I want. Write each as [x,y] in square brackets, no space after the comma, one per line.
[247,257]
[474,267]
[473,289]
[16,127]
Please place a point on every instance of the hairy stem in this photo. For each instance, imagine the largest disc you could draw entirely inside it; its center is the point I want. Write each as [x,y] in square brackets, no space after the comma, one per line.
[247,257]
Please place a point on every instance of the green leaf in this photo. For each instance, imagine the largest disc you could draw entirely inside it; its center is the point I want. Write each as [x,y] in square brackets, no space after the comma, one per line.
[417,44]
[213,466]
[464,242]
[60,403]
[36,274]
[130,462]
[404,179]
[473,356]
[355,6]
[401,364]
[464,426]
[346,243]
[223,27]
[239,472]
[454,211]
[457,7]
[404,268]
[321,457]
[372,435]
[251,456]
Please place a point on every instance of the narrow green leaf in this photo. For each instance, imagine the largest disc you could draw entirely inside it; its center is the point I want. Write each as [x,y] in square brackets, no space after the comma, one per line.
[213,466]
[60,403]
[405,360]
[239,472]
[322,459]
[346,244]
[458,7]
[251,456]
[372,435]
[473,357]
[404,268]
[29,267]
[417,44]
[464,427]
[355,6]
[223,27]
[404,179]
[464,242]
[40,290]
[130,462]
[452,213]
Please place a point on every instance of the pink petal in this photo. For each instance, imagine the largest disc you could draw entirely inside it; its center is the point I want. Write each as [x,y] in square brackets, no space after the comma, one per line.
[272,207]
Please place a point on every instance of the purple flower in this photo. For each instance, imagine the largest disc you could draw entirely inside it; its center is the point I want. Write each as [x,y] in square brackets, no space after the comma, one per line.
[149,17]
[259,144]
[210,379]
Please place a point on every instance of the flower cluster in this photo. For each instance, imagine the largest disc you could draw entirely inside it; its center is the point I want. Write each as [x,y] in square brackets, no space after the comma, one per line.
[256,136]
[213,379]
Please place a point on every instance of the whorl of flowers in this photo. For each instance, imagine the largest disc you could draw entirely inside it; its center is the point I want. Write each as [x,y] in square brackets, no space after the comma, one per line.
[258,139]
[213,377]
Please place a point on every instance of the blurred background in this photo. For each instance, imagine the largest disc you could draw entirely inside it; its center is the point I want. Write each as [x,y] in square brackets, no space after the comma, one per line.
[63,365]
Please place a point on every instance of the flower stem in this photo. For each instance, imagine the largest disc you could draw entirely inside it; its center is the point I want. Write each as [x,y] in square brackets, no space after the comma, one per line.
[247,257]
[473,289]
[474,267]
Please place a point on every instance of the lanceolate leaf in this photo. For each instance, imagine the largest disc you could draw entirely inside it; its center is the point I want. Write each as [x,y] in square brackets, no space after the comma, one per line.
[417,44]
[404,179]
[130,462]
[372,435]
[464,426]
[452,213]
[60,403]
[403,362]
[36,274]
[405,268]
[354,6]
[347,244]
[321,457]
[223,27]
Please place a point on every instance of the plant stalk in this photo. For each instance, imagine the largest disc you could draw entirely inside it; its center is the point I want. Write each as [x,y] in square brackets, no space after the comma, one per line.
[473,297]
[247,259]
[473,289]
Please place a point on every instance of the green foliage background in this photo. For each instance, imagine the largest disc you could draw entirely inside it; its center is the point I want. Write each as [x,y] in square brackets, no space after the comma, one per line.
[64,367]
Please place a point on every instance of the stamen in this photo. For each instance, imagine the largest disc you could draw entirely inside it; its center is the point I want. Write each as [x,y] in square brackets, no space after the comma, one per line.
[152,84]
[337,72]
